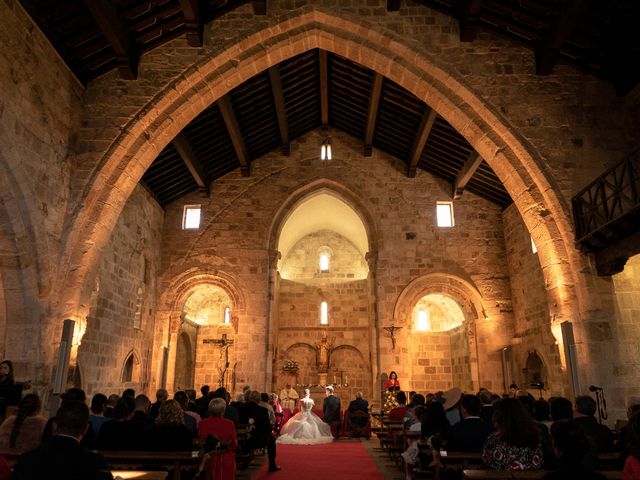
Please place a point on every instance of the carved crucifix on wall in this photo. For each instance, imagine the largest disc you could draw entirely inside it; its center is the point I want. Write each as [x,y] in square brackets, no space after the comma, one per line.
[224,343]
[392,331]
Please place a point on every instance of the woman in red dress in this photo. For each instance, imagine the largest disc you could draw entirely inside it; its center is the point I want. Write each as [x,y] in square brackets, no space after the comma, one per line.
[223,465]
[393,384]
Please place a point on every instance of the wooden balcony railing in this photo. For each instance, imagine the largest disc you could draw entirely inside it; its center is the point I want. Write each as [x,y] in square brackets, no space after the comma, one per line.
[607,210]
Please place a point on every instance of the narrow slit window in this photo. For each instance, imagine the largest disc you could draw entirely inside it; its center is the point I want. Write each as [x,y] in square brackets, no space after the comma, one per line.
[534,249]
[424,321]
[324,314]
[191,217]
[324,262]
[227,316]
[444,214]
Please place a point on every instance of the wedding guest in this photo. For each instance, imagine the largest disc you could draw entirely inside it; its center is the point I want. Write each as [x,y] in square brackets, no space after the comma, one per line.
[264,402]
[6,373]
[451,400]
[111,404]
[62,456]
[120,433]
[560,408]
[262,436]
[599,435]
[400,411]
[223,466]
[231,412]
[411,417]
[434,420]
[632,463]
[169,434]
[571,447]
[97,418]
[23,430]
[190,419]
[471,432]
[623,443]
[515,445]
[358,405]
[161,396]
[486,399]
[203,402]
[129,392]
[71,395]
[141,418]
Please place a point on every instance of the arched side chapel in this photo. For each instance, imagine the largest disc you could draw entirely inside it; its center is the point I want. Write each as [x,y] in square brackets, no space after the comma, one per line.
[107,181]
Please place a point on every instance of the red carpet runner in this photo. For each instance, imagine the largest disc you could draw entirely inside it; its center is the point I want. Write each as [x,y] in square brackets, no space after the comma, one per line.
[332,461]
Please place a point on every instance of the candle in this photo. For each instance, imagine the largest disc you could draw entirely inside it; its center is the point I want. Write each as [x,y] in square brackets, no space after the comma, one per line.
[346,380]
[334,379]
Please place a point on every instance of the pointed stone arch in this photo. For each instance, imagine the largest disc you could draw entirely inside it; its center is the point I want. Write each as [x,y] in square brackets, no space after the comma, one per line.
[514,161]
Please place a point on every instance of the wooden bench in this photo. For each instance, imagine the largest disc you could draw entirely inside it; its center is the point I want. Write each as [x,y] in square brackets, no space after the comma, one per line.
[139,475]
[131,460]
[510,475]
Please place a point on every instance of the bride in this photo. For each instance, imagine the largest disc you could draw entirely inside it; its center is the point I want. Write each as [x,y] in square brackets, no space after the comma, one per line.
[305,427]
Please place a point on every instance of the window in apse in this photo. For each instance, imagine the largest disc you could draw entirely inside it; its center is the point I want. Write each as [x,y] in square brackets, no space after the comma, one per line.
[324,313]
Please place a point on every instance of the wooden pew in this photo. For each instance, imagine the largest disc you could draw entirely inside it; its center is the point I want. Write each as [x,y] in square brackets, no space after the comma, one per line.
[131,460]
[510,475]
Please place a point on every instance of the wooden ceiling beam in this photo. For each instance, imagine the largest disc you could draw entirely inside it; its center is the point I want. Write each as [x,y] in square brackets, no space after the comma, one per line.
[229,118]
[548,51]
[426,124]
[183,147]
[466,172]
[106,16]
[194,22]
[259,7]
[393,5]
[374,101]
[469,20]
[324,89]
[281,112]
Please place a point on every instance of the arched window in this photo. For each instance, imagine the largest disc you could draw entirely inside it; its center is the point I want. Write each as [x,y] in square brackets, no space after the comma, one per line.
[424,321]
[324,262]
[127,371]
[227,315]
[324,313]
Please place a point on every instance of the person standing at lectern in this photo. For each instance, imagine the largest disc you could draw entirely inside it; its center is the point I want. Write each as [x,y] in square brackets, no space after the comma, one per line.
[393,385]
[331,411]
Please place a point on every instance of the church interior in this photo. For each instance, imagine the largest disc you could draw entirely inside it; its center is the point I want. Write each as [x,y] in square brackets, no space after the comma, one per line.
[305,192]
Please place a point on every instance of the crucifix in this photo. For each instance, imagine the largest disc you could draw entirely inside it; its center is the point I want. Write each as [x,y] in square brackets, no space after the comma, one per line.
[224,343]
[392,330]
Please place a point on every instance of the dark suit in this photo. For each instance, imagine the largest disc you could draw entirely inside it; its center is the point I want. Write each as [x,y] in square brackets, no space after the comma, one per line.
[331,413]
[262,435]
[61,458]
[359,404]
[599,435]
[468,435]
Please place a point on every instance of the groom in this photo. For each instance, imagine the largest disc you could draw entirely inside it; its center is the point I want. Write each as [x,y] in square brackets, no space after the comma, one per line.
[331,411]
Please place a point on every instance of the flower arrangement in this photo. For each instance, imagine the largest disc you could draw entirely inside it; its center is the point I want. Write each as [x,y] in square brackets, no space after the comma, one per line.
[291,366]
[389,402]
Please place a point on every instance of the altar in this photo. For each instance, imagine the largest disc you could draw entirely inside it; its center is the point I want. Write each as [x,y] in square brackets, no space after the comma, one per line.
[344,392]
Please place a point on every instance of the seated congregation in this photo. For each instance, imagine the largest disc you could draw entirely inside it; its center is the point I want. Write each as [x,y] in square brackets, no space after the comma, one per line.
[440,435]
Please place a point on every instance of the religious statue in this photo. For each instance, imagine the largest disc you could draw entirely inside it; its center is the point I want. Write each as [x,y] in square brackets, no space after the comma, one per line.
[324,349]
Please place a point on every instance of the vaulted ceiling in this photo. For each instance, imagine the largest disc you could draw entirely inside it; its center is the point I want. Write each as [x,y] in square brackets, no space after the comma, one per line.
[306,92]
[322,89]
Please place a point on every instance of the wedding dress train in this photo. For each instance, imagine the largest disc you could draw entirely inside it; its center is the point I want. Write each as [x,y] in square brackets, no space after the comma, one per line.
[305,427]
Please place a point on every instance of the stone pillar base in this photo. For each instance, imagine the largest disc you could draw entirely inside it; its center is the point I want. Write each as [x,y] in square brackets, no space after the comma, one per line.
[322,379]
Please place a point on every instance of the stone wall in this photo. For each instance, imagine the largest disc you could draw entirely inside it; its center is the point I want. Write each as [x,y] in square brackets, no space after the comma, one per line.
[345,289]
[40,109]
[623,292]
[461,359]
[532,326]
[237,221]
[126,282]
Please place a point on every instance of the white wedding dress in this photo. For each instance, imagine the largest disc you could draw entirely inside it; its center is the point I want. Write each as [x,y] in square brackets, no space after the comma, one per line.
[305,427]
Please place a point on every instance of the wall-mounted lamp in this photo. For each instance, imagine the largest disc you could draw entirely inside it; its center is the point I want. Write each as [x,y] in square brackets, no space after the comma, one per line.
[325,150]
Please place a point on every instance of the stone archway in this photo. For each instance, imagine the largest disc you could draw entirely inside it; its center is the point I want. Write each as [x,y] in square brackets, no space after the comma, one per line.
[120,168]
[477,315]
[171,324]
[283,291]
